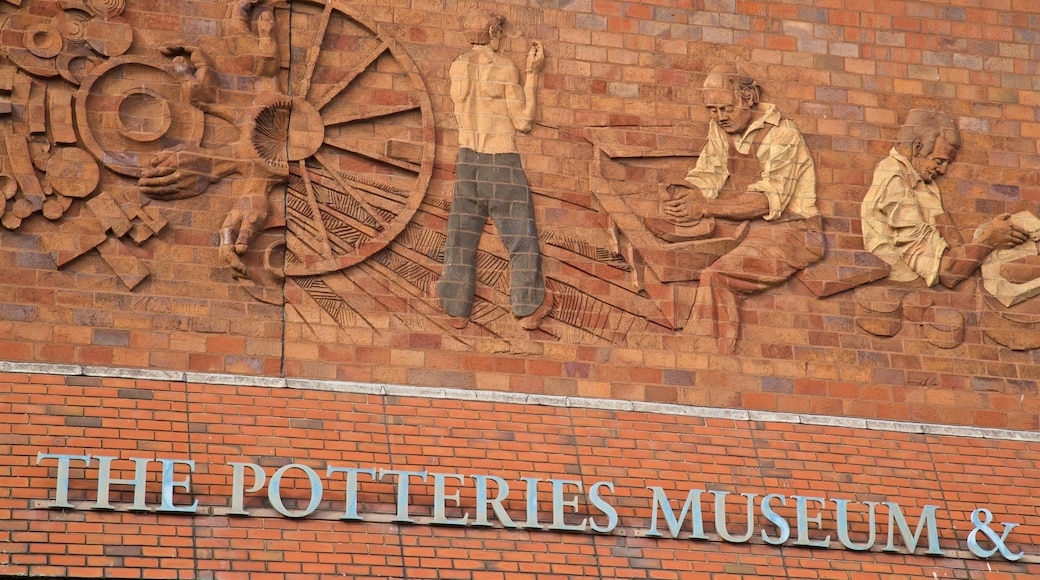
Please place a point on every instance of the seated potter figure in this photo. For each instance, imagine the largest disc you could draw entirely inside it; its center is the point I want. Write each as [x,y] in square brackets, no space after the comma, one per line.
[756,168]
[905,225]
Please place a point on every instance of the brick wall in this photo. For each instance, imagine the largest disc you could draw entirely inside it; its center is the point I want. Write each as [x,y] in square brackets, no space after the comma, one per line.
[329,364]
[672,448]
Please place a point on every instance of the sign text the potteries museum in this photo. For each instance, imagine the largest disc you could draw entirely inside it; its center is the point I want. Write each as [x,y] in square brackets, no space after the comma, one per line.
[548,504]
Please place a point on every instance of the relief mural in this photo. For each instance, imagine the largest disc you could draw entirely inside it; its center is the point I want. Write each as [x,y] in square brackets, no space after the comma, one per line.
[334,176]
[905,225]
[321,129]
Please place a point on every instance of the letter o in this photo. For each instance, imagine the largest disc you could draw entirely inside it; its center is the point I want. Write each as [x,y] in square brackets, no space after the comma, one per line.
[274,492]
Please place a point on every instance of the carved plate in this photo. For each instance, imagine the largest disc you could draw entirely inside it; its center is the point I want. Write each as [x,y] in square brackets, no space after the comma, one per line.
[32,41]
[129,110]
[1017,327]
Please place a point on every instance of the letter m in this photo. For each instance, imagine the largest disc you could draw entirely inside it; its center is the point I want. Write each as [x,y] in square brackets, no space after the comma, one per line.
[692,507]
[895,515]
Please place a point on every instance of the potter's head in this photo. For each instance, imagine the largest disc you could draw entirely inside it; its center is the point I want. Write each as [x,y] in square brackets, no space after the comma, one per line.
[930,139]
[729,97]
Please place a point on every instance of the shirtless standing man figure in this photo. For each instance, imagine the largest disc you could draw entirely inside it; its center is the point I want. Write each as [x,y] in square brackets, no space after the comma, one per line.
[490,107]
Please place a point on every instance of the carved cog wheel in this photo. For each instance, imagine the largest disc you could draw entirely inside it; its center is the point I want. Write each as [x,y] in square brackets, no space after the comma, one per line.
[358,137]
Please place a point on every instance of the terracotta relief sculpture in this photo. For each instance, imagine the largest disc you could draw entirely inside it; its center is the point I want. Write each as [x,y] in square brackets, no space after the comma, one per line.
[1011,280]
[756,168]
[314,136]
[904,223]
[353,155]
[253,107]
[490,106]
[57,49]
[1012,275]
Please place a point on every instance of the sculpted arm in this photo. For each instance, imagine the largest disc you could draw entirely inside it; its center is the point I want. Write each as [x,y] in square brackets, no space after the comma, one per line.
[960,262]
[522,105]
[783,159]
[460,83]
[785,162]
[744,206]
[906,234]
[687,205]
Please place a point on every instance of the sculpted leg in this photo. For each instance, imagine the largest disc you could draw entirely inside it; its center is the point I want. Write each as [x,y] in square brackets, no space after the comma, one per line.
[465,226]
[513,213]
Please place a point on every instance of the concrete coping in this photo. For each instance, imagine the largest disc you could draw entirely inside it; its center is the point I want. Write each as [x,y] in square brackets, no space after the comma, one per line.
[388,390]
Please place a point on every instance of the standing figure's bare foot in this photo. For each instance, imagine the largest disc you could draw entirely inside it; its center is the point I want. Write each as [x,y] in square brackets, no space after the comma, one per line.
[533,320]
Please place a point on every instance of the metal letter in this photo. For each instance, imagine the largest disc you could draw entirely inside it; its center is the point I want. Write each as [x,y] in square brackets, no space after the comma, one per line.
[61,491]
[843,525]
[352,488]
[168,484]
[238,490]
[559,503]
[496,504]
[274,491]
[604,507]
[720,517]
[801,506]
[775,519]
[439,499]
[140,482]
[402,490]
[692,505]
[532,503]
[927,517]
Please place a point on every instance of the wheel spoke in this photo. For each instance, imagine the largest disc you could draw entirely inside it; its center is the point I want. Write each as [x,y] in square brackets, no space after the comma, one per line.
[377,157]
[323,237]
[372,112]
[315,50]
[343,84]
[356,189]
[348,189]
[301,244]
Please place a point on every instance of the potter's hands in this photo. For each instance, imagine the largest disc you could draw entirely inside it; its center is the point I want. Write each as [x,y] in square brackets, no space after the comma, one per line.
[177,175]
[684,205]
[1000,232]
[196,68]
[240,225]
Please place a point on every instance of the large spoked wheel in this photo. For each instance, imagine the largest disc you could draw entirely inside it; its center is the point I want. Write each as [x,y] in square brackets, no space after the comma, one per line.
[356,180]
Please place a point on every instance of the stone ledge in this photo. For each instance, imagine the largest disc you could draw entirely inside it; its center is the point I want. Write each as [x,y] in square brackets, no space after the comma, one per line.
[519,399]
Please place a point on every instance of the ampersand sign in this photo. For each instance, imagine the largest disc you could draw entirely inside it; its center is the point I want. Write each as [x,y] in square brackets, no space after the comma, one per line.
[998,541]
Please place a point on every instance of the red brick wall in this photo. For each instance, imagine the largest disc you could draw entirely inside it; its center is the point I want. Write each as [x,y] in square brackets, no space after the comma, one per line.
[766,419]
[216,424]
[846,71]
